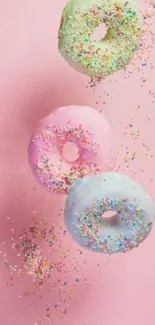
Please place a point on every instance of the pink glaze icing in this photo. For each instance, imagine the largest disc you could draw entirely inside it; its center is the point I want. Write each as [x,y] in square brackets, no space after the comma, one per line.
[83,126]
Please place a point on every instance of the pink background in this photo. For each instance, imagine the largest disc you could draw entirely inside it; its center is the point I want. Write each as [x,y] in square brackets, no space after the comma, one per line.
[34,80]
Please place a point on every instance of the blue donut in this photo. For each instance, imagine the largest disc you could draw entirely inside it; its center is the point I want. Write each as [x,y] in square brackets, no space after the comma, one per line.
[89,198]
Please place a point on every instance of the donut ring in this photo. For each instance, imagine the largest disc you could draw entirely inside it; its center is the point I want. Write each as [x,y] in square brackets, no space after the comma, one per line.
[83,126]
[115,50]
[90,197]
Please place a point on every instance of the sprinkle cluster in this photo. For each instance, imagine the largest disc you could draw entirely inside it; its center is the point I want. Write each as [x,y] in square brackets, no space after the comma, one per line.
[130,226]
[102,58]
[55,179]
[52,273]
[54,176]
[79,134]
[34,263]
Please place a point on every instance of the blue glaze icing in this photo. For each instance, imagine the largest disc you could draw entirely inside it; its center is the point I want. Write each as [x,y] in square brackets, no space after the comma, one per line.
[131,224]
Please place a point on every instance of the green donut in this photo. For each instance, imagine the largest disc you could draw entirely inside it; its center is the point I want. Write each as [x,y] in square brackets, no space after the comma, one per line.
[86,55]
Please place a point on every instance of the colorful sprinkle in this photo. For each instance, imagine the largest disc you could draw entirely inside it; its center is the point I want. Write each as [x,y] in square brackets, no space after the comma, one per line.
[99,59]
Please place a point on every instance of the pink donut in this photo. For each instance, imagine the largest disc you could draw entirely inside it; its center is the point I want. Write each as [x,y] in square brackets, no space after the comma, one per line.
[83,127]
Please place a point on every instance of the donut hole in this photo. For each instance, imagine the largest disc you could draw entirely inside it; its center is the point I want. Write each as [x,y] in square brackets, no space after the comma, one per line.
[70,151]
[100,32]
[109,216]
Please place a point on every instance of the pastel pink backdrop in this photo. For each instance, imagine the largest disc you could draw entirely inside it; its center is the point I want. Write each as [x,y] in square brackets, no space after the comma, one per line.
[34,80]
